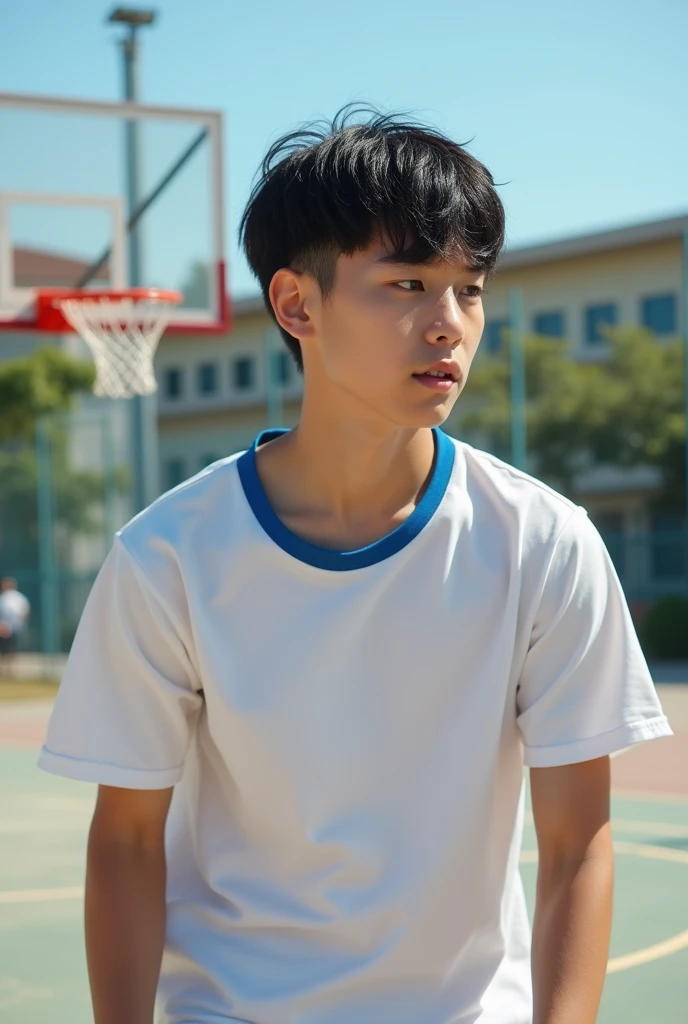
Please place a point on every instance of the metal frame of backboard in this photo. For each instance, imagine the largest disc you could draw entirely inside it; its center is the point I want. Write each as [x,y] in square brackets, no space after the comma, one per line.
[20,300]
[211,120]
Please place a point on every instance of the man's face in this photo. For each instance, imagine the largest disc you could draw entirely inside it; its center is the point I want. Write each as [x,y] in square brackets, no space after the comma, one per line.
[384,326]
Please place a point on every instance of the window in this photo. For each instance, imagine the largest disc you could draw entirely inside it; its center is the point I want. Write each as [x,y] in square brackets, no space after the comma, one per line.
[658,313]
[244,368]
[175,472]
[173,381]
[493,337]
[550,325]
[597,318]
[207,460]
[207,378]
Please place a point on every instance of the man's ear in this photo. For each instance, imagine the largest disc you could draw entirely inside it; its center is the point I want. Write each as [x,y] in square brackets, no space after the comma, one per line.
[294,297]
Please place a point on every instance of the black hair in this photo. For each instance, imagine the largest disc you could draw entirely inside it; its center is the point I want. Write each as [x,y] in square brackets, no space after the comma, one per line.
[332,188]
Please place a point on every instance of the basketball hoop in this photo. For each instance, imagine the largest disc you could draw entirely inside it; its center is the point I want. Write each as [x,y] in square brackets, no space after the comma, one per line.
[122,329]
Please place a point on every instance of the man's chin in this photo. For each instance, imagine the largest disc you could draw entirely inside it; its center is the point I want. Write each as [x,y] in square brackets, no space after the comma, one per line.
[425,418]
[432,414]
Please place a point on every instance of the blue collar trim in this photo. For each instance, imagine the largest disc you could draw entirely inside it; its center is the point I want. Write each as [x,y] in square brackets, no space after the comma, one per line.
[339,561]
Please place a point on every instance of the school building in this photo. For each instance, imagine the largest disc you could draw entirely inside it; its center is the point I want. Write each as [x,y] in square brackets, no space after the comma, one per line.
[213,395]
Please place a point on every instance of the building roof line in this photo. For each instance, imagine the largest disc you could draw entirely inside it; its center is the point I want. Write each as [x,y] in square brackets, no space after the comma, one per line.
[598,241]
[559,249]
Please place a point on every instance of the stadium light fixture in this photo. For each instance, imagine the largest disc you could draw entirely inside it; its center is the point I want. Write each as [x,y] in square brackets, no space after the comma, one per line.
[133,16]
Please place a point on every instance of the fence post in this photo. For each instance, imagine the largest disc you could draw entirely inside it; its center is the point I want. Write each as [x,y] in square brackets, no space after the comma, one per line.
[685,384]
[109,472]
[46,550]
[273,387]
[518,379]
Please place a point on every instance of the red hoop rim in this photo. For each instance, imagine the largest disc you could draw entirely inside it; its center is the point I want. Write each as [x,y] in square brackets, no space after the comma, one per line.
[49,316]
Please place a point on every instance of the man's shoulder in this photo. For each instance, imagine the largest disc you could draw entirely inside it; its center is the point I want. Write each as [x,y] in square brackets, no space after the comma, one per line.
[513,507]
[497,481]
[195,514]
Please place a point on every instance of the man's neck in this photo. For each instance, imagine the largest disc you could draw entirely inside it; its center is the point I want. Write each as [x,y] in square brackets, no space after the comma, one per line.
[344,484]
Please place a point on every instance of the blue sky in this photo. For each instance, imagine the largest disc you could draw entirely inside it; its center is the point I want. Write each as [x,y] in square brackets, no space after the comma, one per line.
[579,108]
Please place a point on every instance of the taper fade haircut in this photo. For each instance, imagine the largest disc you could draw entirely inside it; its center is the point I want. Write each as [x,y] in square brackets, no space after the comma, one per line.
[334,188]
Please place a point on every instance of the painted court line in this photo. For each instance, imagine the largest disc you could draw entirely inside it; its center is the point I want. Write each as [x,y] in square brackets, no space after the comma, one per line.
[620,963]
[72,892]
[660,949]
[653,852]
[15,828]
[653,828]
[649,796]
[635,849]
[645,956]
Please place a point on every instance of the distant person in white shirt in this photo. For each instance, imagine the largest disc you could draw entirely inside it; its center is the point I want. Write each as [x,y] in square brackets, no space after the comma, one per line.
[307,681]
[14,611]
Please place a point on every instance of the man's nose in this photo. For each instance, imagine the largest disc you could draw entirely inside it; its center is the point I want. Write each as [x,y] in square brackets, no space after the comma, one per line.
[448,325]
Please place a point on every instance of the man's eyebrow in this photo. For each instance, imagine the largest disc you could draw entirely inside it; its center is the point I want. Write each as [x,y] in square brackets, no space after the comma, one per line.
[392,260]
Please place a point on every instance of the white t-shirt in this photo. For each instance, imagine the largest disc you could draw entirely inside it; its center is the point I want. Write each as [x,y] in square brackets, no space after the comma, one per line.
[346,732]
[14,609]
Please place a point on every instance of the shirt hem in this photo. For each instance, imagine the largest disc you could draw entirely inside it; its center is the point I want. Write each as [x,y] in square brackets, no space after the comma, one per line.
[108,774]
[597,746]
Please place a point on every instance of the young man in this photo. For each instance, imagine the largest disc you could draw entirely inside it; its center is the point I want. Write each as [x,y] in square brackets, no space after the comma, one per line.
[307,680]
[14,613]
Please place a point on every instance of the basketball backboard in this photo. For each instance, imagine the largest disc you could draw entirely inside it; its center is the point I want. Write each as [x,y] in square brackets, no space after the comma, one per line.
[111,195]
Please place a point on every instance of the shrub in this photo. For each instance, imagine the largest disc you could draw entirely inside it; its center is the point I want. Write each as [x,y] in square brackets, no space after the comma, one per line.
[664,630]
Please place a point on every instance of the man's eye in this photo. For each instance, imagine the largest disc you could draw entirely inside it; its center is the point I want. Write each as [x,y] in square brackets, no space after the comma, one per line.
[472,291]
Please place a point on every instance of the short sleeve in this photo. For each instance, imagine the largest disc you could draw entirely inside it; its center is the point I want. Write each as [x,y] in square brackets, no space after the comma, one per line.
[129,697]
[585,689]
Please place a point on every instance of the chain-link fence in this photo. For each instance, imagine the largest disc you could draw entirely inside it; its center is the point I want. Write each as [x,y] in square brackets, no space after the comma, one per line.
[650,565]
[63,494]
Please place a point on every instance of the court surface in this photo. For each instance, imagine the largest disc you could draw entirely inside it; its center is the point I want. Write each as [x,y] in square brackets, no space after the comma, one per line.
[43,823]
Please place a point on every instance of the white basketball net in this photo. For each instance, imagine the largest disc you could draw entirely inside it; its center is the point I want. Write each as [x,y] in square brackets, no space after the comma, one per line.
[123,335]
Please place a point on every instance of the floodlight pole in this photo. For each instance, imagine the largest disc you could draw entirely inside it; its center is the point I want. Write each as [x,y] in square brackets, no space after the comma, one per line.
[132,151]
[146,483]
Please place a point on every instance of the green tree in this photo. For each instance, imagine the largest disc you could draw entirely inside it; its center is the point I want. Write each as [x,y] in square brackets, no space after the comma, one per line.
[76,495]
[196,286]
[43,386]
[647,422]
[626,409]
[39,385]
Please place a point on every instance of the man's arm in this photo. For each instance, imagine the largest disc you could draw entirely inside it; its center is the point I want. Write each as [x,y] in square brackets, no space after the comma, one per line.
[573,910]
[125,903]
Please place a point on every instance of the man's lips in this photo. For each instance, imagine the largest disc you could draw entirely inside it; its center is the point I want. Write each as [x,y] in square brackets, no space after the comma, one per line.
[435,383]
